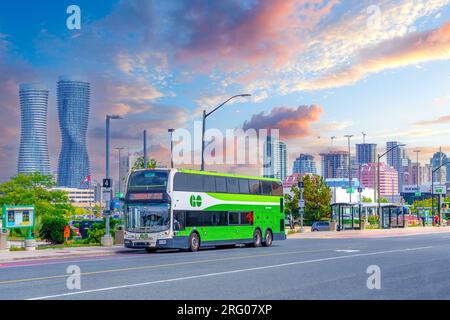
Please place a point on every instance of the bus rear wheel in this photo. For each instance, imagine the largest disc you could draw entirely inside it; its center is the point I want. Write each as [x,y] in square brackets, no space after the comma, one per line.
[257,239]
[194,242]
[268,239]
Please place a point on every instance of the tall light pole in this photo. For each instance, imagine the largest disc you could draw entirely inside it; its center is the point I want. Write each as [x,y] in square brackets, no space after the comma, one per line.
[349,136]
[119,149]
[378,180]
[332,139]
[207,114]
[171,147]
[107,239]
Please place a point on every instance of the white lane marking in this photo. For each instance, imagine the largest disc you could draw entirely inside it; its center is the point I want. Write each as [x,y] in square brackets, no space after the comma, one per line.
[225,273]
[347,250]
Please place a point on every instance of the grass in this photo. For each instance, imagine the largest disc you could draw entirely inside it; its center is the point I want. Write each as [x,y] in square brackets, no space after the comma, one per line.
[16,249]
[68,245]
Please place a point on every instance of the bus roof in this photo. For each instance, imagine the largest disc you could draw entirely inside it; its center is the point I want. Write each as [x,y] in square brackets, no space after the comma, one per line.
[209,173]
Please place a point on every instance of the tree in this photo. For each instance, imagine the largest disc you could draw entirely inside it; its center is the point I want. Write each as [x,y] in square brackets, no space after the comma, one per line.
[52,229]
[317,198]
[35,189]
[139,164]
[366,199]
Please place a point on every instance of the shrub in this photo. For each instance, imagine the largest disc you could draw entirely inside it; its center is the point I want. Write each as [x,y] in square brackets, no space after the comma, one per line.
[373,220]
[52,229]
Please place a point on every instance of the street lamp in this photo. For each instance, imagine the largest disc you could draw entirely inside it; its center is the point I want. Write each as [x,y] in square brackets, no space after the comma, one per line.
[107,239]
[378,179]
[119,149]
[207,114]
[171,147]
[349,136]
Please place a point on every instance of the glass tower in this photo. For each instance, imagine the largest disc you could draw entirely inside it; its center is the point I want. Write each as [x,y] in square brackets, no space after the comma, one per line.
[73,111]
[33,150]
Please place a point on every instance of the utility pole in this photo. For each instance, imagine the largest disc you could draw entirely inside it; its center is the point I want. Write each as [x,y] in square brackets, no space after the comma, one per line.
[417,178]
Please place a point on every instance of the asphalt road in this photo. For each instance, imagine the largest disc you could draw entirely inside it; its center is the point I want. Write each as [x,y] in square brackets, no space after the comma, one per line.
[411,267]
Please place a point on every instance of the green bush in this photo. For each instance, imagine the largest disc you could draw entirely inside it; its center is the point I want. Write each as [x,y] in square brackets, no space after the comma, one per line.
[373,220]
[52,229]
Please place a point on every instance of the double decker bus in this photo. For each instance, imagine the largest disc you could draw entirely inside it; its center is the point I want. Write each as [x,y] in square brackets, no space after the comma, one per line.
[188,209]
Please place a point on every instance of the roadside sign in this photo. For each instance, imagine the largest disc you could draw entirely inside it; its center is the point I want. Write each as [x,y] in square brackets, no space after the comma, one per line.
[360,189]
[300,184]
[66,232]
[439,190]
[20,216]
[350,190]
[301,203]
[107,183]
[418,194]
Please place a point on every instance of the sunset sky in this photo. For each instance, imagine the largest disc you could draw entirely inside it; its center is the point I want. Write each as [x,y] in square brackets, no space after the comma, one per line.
[315,69]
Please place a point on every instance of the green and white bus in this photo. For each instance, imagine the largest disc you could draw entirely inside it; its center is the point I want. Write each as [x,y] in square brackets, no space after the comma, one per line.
[188,209]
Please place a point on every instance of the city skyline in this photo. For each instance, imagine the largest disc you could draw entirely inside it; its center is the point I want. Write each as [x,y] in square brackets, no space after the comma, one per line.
[156,83]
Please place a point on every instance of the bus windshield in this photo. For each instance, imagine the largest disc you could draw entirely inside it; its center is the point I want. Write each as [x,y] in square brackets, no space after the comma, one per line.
[148,218]
[148,180]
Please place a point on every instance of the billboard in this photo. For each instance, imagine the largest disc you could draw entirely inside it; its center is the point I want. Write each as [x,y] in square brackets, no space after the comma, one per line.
[21,216]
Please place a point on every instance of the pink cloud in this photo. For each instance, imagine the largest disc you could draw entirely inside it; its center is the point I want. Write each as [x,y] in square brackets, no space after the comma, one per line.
[292,122]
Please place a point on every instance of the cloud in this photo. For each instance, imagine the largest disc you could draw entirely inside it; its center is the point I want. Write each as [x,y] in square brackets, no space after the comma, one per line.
[292,122]
[398,52]
[440,120]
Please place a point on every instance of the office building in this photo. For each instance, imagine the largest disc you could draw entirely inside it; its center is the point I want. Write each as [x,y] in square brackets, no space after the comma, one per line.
[80,198]
[388,179]
[73,110]
[274,159]
[334,164]
[366,153]
[33,149]
[441,175]
[397,158]
[305,164]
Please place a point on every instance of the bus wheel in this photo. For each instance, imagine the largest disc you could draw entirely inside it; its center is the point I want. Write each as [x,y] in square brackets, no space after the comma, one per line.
[269,239]
[257,238]
[194,242]
[150,250]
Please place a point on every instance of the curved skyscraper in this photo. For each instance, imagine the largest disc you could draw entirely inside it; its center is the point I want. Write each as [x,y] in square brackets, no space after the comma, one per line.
[73,112]
[33,150]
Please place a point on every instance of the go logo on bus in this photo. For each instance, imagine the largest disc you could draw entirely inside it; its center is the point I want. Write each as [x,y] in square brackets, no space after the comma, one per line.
[195,201]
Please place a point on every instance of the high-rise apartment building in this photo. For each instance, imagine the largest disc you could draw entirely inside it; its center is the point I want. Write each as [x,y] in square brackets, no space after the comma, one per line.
[388,179]
[73,110]
[366,153]
[274,158]
[33,150]
[334,164]
[305,164]
[124,170]
[441,175]
[396,158]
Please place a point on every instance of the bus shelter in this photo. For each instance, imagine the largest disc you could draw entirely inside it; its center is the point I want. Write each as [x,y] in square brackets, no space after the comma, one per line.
[346,215]
[392,216]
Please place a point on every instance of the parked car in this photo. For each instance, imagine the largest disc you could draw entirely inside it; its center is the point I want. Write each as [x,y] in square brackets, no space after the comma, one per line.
[320,226]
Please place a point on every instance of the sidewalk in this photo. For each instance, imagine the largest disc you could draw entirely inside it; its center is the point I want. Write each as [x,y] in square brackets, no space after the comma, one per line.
[370,233]
[78,252]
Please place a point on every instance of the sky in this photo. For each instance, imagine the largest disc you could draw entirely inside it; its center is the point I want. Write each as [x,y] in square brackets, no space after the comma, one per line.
[315,69]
